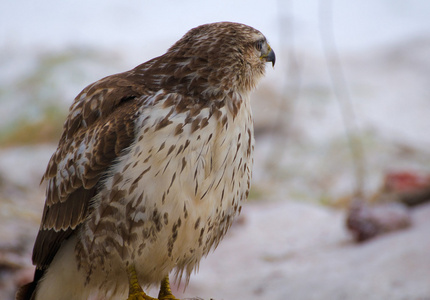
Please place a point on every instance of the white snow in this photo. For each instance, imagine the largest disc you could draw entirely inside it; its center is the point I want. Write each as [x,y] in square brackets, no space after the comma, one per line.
[291,250]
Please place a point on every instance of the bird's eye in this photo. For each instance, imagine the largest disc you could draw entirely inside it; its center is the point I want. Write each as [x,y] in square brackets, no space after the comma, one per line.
[259,45]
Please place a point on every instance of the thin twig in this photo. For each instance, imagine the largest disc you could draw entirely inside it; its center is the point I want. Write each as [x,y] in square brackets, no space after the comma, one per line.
[284,116]
[342,95]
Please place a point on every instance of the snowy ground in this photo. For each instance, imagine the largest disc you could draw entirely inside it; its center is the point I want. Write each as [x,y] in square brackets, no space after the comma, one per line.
[286,244]
[290,250]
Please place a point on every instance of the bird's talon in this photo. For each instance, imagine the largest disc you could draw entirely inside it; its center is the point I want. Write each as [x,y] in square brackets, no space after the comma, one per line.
[168,297]
[140,296]
[135,291]
[165,291]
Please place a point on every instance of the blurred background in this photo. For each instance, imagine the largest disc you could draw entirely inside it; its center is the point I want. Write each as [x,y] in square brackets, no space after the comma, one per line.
[343,117]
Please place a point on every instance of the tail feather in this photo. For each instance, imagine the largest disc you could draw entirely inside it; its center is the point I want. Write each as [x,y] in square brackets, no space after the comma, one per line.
[28,291]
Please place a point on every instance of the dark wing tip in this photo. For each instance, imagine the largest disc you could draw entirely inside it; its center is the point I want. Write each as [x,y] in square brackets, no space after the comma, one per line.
[28,291]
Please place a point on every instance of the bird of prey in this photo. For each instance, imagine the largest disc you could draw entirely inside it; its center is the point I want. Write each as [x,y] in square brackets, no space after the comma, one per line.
[152,166]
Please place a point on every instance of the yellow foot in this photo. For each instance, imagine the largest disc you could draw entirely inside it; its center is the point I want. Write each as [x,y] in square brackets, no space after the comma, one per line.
[140,296]
[165,291]
[135,291]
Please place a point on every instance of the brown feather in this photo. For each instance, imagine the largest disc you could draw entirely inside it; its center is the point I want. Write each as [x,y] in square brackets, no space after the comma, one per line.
[67,206]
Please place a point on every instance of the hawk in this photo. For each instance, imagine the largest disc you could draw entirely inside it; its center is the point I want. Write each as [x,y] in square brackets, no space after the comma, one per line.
[152,166]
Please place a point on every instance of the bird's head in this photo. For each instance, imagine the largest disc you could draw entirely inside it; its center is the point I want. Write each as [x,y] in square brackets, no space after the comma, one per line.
[221,57]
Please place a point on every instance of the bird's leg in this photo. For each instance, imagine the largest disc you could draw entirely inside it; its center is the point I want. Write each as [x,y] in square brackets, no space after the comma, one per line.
[165,291]
[135,292]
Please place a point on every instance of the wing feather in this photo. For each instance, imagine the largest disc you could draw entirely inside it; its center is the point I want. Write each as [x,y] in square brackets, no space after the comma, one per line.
[100,126]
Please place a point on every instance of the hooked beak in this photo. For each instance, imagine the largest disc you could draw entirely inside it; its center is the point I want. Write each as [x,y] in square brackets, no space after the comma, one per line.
[270,57]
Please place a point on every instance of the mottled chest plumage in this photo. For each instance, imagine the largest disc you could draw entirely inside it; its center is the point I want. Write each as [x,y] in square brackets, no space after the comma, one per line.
[173,194]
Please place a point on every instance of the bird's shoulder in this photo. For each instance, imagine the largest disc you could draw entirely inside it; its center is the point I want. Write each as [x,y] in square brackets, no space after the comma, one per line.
[99,127]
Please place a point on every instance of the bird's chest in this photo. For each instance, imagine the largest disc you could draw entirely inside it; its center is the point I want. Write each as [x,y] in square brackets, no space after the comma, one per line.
[173,196]
[195,181]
